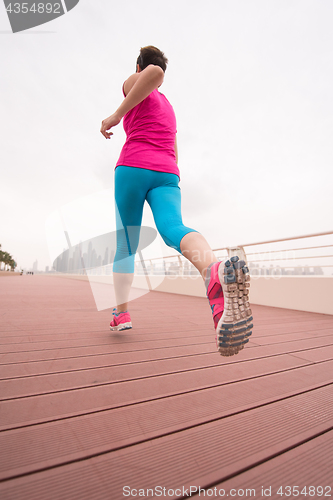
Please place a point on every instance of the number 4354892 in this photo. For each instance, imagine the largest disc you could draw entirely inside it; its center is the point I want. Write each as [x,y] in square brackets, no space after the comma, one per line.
[311,491]
[35,8]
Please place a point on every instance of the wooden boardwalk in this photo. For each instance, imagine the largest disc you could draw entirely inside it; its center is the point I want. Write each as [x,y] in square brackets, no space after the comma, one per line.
[85,412]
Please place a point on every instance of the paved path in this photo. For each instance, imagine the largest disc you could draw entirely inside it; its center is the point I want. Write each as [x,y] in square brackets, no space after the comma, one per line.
[85,412]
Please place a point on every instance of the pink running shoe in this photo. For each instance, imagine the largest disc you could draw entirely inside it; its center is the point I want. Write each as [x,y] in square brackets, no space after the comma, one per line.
[121,321]
[234,325]
[215,292]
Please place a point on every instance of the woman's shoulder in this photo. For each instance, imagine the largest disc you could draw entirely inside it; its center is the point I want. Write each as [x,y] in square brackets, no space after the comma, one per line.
[128,84]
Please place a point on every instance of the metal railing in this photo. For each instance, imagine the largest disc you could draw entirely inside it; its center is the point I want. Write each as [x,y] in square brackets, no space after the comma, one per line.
[271,257]
[276,257]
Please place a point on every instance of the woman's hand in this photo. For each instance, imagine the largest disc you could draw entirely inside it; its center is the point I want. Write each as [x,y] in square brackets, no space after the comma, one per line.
[108,123]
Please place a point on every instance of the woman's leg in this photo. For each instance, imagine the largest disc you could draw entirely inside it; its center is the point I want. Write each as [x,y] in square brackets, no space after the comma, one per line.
[165,202]
[226,282]
[196,249]
[130,193]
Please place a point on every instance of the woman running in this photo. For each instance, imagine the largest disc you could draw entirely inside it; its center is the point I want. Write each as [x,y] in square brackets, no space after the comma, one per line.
[147,170]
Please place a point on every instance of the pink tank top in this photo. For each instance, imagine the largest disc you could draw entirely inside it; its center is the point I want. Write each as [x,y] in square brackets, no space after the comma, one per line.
[151,131]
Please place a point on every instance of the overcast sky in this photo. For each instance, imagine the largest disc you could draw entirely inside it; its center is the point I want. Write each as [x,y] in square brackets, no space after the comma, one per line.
[251,84]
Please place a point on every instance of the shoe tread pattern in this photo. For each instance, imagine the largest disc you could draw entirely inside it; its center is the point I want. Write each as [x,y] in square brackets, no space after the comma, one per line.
[235,326]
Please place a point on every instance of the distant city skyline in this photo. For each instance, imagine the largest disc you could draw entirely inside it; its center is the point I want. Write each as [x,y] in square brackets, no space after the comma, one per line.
[95,253]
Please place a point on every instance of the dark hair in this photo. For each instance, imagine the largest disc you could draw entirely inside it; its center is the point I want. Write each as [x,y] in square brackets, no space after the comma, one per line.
[151,55]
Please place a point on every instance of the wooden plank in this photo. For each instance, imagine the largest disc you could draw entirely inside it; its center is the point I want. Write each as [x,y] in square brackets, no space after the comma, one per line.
[61,329]
[204,455]
[48,383]
[133,340]
[108,430]
[60,365]
[146,378]
[309,464]
[209,366]
[43,408]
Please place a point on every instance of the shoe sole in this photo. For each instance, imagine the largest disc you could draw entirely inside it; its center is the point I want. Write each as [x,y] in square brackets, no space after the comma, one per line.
[122,326]
[235,325]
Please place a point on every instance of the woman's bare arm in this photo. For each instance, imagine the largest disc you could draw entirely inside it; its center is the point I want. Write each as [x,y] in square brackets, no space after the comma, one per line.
[137,88]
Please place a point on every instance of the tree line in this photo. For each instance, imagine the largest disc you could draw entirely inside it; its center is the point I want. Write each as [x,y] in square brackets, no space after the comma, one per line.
[7,259]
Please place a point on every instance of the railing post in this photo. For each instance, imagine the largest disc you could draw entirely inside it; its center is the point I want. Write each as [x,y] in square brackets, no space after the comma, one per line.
[180,265]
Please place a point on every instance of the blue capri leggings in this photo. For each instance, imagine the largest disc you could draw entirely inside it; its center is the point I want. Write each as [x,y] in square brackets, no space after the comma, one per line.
[132,187]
